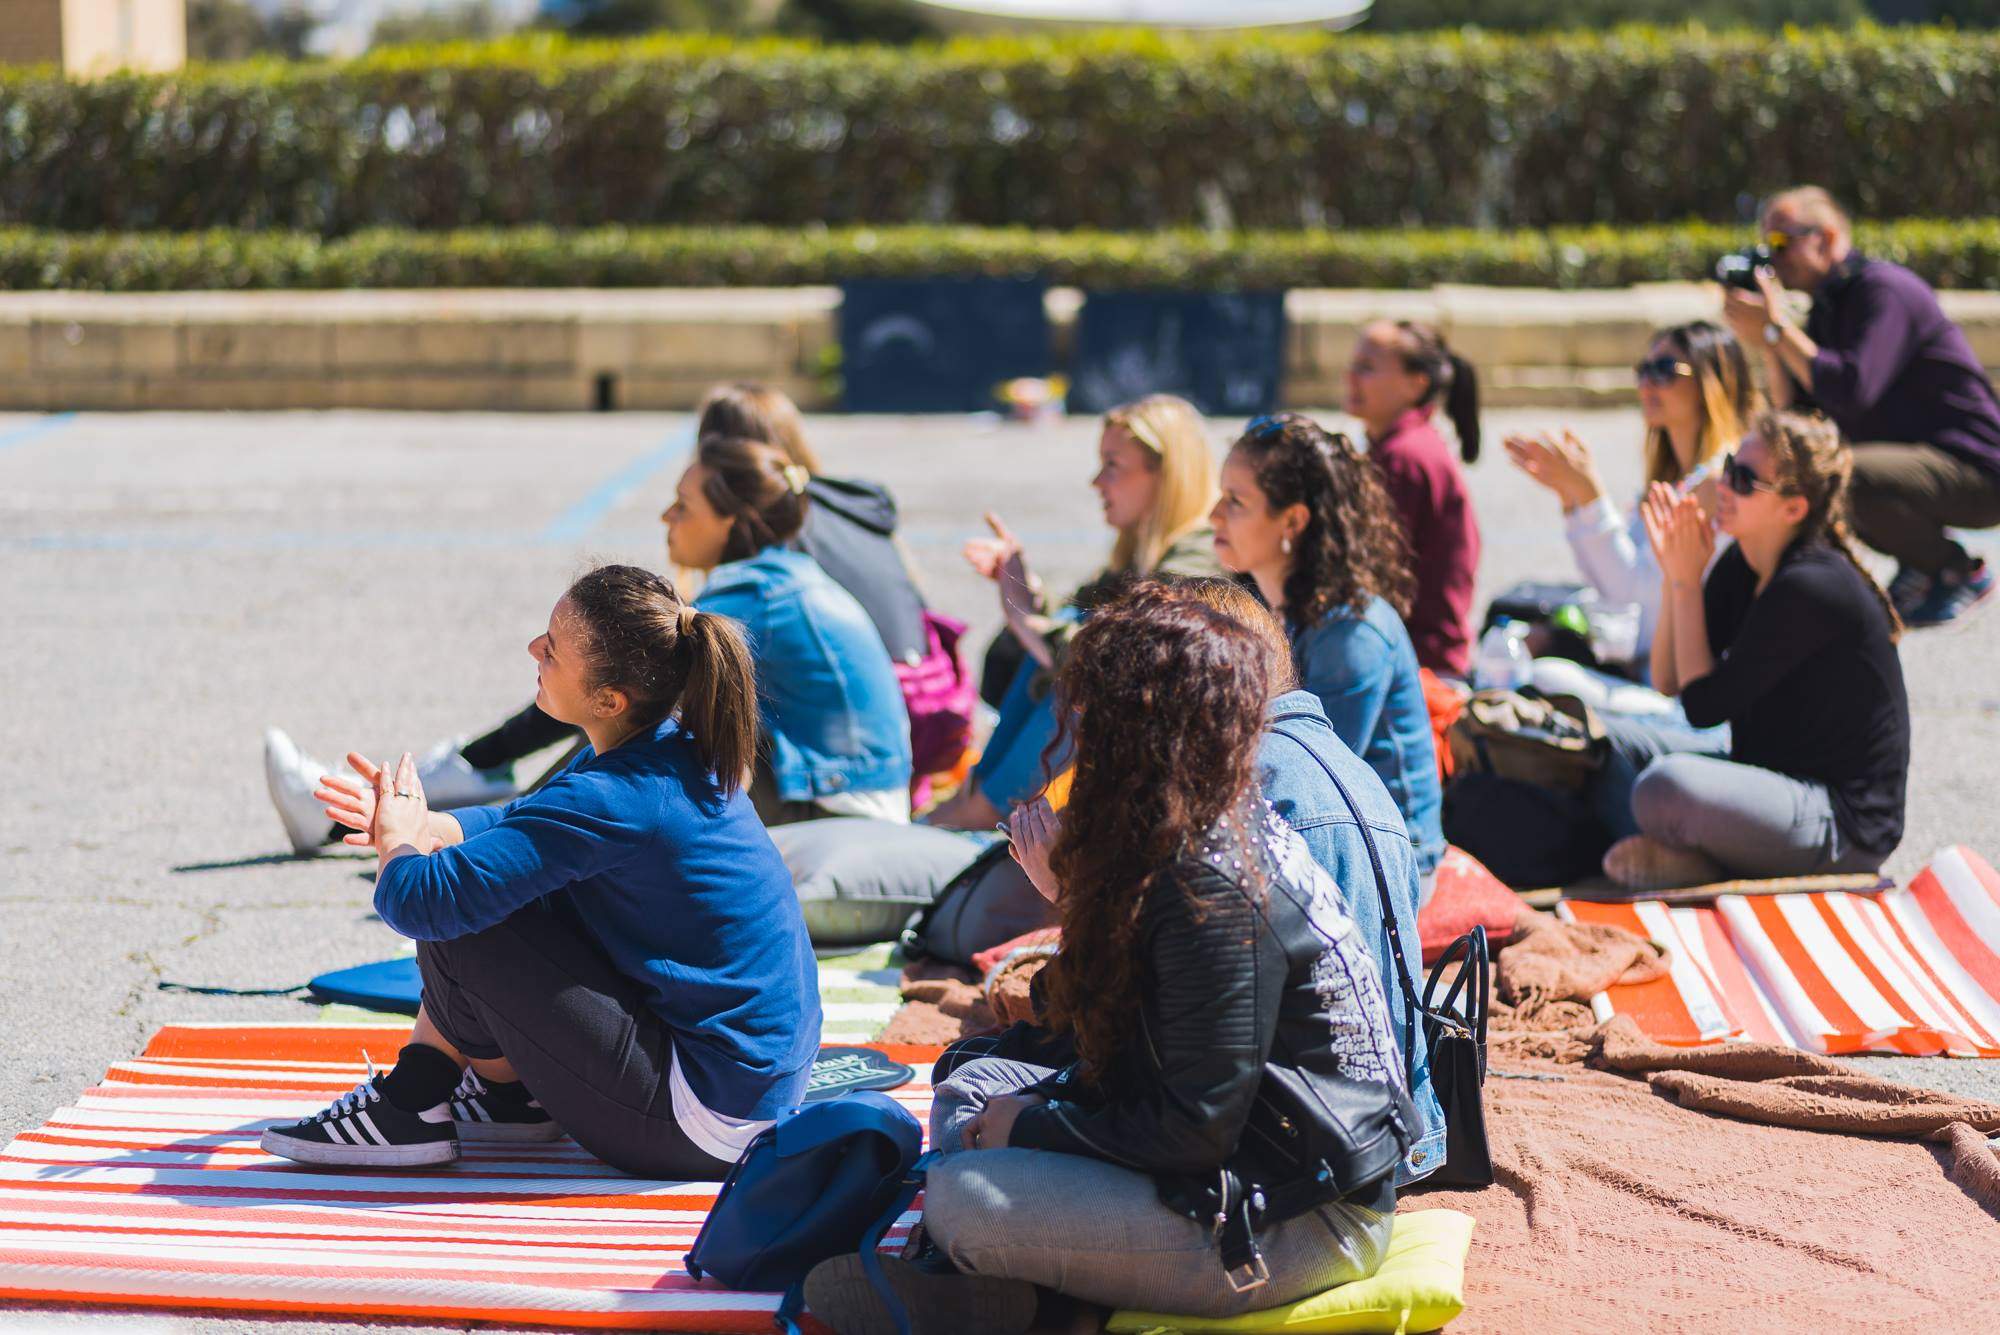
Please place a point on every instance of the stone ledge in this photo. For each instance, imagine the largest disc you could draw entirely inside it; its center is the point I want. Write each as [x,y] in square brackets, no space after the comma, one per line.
[566,349]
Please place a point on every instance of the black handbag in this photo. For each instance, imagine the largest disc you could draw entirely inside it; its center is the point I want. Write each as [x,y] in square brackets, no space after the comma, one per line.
[1454,1033]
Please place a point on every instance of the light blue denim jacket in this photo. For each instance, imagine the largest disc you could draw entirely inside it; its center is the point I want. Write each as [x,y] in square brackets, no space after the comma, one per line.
[832,709]
[1363,668]
[1297,738]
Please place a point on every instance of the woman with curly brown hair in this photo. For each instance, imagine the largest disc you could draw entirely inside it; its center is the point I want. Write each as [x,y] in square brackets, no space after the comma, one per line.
[1305,518]
[1234,1053]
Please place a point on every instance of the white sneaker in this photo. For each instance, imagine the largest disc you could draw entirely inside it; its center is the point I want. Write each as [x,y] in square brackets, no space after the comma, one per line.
[291,775]
[451,782]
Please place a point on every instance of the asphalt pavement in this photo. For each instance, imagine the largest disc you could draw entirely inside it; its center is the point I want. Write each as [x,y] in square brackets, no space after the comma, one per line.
[175,583]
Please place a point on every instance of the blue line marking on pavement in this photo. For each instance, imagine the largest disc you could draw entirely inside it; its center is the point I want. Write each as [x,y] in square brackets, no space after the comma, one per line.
[582,517]
[36,429]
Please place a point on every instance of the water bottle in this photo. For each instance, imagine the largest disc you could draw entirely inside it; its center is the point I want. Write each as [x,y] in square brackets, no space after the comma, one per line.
[1503,662]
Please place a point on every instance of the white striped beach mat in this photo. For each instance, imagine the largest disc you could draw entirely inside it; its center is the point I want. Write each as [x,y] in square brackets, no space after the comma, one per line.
[1914,970]
[151,1190]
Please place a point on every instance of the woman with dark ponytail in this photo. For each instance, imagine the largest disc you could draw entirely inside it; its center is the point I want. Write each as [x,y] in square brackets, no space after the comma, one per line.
[1304,518]
[618,955]
[1402,373]
[1790,642]
[836,731]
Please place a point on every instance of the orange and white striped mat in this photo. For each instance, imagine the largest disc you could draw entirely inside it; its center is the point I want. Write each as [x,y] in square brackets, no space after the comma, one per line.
[1914,970]
[152,1190]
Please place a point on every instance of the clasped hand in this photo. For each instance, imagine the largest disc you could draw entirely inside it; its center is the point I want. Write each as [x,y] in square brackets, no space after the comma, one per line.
[1682,536]
[388,811]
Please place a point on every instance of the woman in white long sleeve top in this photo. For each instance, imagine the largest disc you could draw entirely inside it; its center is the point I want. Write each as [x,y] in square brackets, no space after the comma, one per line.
[1696,396]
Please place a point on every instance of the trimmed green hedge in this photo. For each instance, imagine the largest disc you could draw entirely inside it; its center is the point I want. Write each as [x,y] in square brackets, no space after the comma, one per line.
[1115,132]
[1949,254]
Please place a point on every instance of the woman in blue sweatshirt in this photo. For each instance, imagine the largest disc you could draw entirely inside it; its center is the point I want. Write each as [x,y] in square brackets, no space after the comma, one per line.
[618,955]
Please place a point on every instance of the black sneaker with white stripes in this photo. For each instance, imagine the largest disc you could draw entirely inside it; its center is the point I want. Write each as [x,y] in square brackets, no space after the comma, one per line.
[502,1112]
[363,1129]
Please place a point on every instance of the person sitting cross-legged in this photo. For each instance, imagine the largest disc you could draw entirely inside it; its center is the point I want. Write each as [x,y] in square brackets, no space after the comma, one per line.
[1231,1033]
[620,954]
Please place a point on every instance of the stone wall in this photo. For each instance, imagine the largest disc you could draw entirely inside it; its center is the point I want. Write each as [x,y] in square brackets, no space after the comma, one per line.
[526,350]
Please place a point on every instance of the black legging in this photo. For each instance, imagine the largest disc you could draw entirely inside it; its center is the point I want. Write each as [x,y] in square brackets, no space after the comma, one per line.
[519,737]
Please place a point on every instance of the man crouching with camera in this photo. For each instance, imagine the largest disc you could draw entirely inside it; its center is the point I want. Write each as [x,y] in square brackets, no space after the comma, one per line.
[1878,356]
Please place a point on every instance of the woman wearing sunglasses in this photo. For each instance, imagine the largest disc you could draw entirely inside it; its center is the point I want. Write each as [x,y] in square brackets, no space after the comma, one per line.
[1695,396]
[1791,643]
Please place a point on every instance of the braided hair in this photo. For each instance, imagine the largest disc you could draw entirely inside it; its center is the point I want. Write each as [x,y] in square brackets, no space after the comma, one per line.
[1811,463]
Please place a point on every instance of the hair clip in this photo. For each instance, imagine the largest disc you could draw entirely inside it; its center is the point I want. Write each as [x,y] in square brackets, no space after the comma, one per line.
[796,478]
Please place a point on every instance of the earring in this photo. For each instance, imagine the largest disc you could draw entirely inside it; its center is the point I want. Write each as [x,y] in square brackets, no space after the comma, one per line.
[1285,544]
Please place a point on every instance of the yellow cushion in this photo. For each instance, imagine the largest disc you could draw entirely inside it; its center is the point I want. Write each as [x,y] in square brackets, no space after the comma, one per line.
[1420,1286]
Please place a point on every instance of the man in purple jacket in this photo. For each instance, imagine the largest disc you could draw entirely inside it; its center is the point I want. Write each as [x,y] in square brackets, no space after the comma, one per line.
[1879,357]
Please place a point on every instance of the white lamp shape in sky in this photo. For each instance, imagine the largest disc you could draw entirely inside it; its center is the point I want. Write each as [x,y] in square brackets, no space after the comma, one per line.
[1167,13]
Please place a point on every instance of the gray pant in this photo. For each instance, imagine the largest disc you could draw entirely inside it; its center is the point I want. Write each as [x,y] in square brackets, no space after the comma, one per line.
[1751,821]
[1904,496]
[1098,1232]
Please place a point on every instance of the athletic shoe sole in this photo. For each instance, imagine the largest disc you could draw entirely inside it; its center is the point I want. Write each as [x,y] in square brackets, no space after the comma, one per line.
[359,1156]
[306,828]
[517,1133]
[1958,619]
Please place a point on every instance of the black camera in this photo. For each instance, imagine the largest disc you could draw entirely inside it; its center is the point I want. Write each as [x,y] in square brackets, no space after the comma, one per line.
[1739,268]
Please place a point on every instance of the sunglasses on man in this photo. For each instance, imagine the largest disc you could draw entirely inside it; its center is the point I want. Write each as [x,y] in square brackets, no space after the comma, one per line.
[1741,478]
[1660,371]
[1776,239]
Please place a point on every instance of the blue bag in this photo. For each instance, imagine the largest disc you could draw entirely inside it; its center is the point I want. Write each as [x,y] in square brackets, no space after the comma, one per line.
[825,1179]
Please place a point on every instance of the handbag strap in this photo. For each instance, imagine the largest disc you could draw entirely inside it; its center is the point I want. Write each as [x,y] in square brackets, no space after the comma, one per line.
[1388,905]
[789,1307]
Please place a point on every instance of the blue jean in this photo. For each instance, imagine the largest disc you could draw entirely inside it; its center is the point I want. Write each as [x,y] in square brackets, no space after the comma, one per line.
[1010,770]
[1097,1231]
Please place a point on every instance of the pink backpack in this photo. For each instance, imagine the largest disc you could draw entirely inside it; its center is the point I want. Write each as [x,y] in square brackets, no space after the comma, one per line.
[941,697]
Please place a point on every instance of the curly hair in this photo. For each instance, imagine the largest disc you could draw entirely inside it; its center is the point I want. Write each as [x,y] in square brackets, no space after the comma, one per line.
[1353,548]
[1162,701]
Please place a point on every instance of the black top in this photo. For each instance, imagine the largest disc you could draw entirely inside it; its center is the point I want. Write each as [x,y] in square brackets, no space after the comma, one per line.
[1808,680]
[1893,367]
[850,530]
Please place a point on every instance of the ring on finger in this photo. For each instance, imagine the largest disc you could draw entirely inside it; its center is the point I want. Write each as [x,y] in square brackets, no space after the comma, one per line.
[404,792]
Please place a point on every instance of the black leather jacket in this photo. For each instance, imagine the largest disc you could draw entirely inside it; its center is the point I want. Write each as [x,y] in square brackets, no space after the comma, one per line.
[1262,1046]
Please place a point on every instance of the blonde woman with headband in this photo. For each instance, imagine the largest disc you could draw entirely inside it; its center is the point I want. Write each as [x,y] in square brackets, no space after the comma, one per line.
[836,735]
[1156,482]
[1696,398]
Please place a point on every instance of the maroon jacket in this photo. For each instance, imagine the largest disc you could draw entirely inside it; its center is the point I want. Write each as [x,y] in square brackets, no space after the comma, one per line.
[1428,488]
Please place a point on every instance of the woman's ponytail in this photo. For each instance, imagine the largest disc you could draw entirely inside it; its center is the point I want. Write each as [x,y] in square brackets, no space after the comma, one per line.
[666,657]
[1454,383]
[1461,405]
[1815,464]
[719,702]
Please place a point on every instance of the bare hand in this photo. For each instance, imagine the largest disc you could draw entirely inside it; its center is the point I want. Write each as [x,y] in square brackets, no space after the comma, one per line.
[993,1126]
[1687,543]
[1032,829]
[402,816]
[1748,312]
[352,803]
[1560,462]
[989,556]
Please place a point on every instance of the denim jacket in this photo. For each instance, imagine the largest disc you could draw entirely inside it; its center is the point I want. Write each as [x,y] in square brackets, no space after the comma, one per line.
[1297,737]
[832,710]
[1363,668]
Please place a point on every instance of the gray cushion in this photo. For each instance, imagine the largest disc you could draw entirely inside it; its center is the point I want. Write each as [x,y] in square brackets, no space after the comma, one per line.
[858,880]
